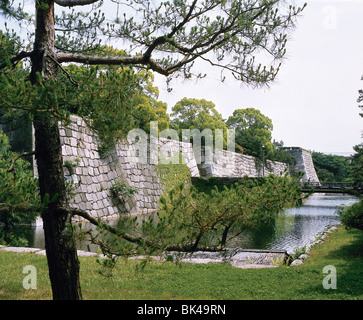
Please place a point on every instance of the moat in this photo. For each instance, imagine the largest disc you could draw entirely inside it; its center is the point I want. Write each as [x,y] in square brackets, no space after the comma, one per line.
[298,227]
[294,228]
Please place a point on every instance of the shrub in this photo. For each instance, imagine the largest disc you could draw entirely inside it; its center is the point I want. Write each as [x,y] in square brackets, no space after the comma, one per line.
[19,196]
[352,216]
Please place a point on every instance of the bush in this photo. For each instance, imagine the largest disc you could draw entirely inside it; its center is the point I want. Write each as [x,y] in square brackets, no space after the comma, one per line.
[19,196]
[352,216]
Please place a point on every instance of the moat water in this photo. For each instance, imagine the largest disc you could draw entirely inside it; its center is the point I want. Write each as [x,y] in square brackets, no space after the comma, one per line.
[298,227]
[294,228]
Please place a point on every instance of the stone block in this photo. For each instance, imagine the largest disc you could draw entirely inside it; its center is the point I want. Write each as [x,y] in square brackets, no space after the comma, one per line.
[111,176]
[105,203]
[77,198]
[89,197]
[90,171]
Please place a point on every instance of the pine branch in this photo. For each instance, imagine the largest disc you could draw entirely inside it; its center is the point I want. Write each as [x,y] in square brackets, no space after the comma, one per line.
[111,60]
[73,3]
[140,240]
[7,208]
[127,237]
[13,160]
[20,56]
[66,73]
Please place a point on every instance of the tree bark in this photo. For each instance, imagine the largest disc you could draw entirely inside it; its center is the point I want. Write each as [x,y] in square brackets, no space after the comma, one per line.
[61,251]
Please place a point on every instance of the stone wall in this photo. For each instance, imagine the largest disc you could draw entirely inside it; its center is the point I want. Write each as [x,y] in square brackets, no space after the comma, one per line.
[230,164]
[304,163]
[93,175]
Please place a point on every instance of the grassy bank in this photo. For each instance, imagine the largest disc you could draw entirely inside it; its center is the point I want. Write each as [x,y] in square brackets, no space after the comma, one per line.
[343,250]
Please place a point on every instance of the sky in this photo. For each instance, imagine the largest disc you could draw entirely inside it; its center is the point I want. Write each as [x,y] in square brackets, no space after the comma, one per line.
[313,102]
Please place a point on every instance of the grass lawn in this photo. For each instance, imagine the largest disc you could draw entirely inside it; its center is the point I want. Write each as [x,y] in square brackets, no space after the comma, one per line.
[165,281]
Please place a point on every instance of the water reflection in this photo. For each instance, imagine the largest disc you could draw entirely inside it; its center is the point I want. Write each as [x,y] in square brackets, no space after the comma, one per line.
[294,228]
[298,227]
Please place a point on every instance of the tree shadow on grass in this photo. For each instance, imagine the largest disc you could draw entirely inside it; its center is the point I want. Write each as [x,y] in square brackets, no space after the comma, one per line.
[349,272]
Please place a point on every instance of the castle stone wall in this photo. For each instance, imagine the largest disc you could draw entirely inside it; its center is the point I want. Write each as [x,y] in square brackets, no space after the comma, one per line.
[94,175]
[304,163]
[230,164]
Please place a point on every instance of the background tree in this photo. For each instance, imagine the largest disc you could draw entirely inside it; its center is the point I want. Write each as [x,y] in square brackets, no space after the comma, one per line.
[168,37]
[140,100]
[197,114]
[253,130]
[148,108]
[113,118]
[352,216]
[279,154]
[356,164]
[356,167]
[331,167]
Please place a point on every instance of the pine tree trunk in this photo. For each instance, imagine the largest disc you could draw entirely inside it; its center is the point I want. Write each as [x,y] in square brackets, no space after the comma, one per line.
[61,251]
[59,244]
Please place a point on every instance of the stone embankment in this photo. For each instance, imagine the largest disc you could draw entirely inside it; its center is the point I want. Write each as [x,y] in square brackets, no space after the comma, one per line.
[239,258]
[41,251]
[320,239]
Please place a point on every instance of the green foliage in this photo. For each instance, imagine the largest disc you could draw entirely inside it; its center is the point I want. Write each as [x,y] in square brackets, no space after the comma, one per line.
[9,46]
[6,8]
[148,108]
[78,31]
[356,164]
[167,37]
[253,131]
[104,98]
[107,266]
[111,102]
[111,99]
[172,173]
[197,114]
[136,105]
[70,165]
[122,191]
[331,167]
[352,216]
[190,219]
[232,32]
[279,154]
[298,252]
[19,197]
[220,183]
[280,262]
